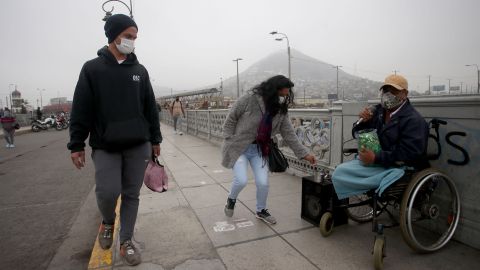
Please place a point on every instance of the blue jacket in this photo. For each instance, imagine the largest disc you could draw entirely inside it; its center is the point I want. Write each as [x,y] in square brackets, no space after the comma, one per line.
[403,139]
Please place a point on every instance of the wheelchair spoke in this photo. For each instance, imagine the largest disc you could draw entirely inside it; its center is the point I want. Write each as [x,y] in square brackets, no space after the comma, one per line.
[432,212]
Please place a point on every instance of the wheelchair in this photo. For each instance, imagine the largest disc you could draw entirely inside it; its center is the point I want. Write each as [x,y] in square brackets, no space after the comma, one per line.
[427,200]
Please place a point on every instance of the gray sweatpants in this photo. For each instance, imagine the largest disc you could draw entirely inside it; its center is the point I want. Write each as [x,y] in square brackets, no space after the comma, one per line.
[120,173]
[9,136]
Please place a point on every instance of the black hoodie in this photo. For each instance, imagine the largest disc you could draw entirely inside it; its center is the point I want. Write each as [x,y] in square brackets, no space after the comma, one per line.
[114,104]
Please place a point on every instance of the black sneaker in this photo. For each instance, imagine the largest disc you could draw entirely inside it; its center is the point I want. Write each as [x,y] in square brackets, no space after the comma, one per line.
[265,216]
[229,207]
[105,235]
[130,254]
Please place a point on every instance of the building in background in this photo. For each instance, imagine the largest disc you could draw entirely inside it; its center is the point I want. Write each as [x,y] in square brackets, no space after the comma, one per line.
[58,104]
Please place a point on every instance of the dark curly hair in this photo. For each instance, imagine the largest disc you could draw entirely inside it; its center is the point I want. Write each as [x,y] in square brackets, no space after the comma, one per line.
[268,90]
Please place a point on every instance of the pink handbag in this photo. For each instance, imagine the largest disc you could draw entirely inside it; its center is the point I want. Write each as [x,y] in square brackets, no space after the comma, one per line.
[156,178]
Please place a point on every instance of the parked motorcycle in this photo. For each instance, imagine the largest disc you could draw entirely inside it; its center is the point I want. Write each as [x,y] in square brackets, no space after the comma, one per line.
[62,121]
[49,122]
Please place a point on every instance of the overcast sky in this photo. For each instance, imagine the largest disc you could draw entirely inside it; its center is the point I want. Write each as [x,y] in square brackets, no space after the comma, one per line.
[187,44]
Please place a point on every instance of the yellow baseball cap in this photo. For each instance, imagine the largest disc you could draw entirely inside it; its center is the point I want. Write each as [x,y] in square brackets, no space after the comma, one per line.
[397,81]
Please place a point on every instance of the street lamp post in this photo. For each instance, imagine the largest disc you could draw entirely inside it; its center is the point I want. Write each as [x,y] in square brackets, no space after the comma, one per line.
[108,13]
[284,36]
[343,96]
[238,80]
[41,97]
[478,76]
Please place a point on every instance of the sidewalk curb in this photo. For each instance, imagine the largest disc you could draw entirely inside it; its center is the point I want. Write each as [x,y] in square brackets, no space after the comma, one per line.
[101,259]
[18,132]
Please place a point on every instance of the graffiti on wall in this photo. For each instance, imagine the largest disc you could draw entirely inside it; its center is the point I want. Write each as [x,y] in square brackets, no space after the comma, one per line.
[313,133]
[435,126]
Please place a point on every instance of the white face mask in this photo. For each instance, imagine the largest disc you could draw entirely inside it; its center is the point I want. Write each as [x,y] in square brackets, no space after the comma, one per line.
[126,46]
[281,99]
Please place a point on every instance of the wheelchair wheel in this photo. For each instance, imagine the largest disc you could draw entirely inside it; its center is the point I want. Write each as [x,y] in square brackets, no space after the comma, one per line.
[326,224]
[430,211]
[379,253]
[360,214]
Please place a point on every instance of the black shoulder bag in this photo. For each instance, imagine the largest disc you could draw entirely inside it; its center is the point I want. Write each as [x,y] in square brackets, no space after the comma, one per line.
[276,160]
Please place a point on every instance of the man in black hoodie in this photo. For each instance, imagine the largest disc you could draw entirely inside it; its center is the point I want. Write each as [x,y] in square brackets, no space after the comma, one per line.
[114,104]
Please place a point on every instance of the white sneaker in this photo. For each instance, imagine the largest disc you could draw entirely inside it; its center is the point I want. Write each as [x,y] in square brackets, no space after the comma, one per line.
[7,145]
[180,133]
[12,145]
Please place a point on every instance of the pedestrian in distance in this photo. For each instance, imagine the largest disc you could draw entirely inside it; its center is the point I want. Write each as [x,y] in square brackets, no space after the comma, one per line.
[9,124]
[177,110]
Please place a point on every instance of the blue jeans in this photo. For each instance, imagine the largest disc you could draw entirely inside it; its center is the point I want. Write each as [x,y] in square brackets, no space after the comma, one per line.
[260,171]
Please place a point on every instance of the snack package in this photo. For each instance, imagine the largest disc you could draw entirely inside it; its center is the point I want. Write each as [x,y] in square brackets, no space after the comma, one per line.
[368,139]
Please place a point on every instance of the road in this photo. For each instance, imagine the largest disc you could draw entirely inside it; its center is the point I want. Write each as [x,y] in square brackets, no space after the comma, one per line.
[41,195]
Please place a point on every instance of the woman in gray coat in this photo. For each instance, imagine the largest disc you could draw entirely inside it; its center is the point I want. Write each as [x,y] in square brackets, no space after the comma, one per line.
[250,124]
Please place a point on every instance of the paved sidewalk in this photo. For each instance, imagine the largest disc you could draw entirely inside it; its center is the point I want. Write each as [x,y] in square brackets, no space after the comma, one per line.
[185,228]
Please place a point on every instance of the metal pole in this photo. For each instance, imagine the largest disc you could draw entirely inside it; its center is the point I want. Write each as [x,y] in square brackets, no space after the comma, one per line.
[449,85]
[337,67]
[429,77]
[304,100]
[238,82]
[284,36]
[478,80]
[289,63]
[238,79]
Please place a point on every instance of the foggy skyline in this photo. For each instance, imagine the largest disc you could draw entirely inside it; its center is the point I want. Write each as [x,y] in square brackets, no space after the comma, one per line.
[190,44]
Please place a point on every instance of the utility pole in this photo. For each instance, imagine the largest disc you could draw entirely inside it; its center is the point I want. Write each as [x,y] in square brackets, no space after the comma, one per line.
[478,76]
[238,79]
[337,67]
[461,87]
[449,85]
[429,90]
[304,100]
[41,97]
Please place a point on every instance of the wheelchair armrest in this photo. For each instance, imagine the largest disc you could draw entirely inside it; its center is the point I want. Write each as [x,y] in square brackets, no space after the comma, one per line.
[350,150]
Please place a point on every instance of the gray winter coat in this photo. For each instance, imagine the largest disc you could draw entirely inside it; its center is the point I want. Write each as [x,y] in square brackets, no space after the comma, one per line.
[240,129]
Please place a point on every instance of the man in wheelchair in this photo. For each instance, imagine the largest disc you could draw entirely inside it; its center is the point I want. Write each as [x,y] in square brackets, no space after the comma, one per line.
[402,133]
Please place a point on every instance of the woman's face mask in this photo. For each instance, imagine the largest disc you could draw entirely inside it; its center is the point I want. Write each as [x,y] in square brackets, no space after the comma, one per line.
[126,46]
[390,101]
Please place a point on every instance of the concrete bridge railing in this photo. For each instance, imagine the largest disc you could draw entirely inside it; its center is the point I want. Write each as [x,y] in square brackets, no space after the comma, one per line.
[327,131]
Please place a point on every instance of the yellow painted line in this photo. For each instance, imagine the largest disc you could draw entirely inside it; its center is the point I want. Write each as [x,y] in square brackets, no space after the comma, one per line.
[103,259]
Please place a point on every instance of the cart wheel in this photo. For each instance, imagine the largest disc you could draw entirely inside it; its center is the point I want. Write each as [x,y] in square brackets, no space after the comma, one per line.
[379,253]
[326,224]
